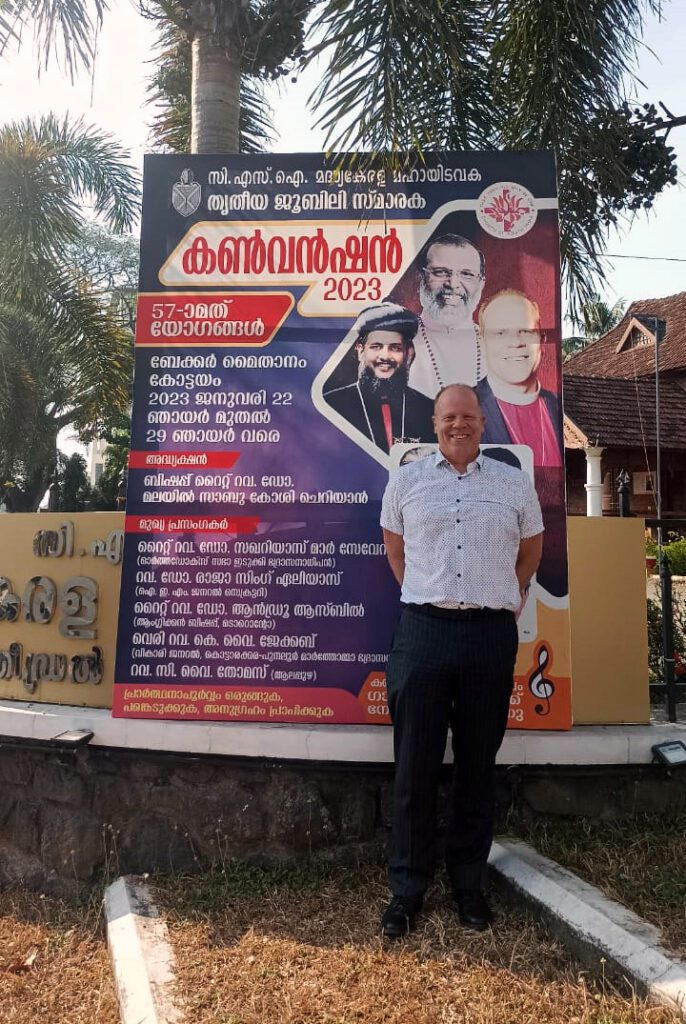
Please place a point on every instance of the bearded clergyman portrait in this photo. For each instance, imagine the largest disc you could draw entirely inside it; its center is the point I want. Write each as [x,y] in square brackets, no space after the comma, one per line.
[379,401]
[451,275]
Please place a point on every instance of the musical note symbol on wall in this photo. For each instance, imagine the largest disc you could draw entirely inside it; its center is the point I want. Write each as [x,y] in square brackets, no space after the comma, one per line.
[540,687]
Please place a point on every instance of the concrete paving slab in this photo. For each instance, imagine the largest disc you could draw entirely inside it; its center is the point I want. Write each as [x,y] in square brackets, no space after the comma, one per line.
[365,744]
[596,927]
[142,957]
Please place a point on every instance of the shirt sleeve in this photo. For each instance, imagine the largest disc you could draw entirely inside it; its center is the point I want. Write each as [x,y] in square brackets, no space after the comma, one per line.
[391,514]
[530,517]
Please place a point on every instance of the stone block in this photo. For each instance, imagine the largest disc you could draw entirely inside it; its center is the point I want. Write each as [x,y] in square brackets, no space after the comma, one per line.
[63,783]
[114,798]
[19,868]
[297,816]
[613,793]
[354,809]
[20,829]
[150,843]
[71,841]
[17,766]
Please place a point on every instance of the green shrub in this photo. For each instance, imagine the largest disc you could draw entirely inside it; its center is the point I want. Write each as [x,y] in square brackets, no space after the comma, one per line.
[655,639]
[676,552]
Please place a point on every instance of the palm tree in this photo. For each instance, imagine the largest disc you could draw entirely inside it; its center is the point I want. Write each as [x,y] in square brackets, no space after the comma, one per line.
[231,41]
[419,76]
[426,74]
[596,317]
[504,74]
[65,356]
[170,95]
[234,44]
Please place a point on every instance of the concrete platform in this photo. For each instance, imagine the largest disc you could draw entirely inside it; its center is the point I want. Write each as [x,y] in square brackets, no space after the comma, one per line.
[143,961]
[599,930]
[367,744]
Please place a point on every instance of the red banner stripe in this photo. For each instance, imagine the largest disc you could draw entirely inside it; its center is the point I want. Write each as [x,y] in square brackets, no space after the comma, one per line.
[188,523]
[182,460]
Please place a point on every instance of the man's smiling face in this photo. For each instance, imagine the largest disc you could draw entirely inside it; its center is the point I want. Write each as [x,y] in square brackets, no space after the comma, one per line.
[511,338]
[451,282]
[459,424]
[382,353]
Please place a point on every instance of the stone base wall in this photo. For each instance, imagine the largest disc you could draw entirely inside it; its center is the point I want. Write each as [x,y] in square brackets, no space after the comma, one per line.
[69,818]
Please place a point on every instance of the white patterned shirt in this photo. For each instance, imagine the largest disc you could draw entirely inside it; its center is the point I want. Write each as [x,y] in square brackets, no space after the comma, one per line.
[462,531]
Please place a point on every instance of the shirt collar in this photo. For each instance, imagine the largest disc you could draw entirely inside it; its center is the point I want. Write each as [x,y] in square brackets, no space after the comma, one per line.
[478,463]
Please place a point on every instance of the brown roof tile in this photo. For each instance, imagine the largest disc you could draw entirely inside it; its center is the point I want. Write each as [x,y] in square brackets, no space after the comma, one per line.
[621,413]
[599,359]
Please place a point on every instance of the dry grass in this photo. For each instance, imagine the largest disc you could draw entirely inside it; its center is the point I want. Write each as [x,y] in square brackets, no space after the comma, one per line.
[277,948]
[54,966]
[640,861]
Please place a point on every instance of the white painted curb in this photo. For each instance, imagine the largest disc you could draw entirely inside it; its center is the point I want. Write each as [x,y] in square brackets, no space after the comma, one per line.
[142,957]
[593,924]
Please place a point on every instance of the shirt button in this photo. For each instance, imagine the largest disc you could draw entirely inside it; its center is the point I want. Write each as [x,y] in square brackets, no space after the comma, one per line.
[457,520]
[459,548]
[459,575]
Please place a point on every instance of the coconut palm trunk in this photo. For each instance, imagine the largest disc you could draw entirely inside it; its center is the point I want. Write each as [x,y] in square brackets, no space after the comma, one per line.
[215,96]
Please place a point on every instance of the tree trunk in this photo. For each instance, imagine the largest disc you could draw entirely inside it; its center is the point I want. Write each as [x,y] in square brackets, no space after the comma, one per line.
[215,96]
[28,498]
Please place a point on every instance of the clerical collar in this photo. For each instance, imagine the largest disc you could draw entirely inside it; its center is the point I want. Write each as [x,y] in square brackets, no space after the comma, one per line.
[446,326]
[507,393]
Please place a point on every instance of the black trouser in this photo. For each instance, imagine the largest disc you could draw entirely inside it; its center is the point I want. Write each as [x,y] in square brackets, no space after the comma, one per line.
[457,672]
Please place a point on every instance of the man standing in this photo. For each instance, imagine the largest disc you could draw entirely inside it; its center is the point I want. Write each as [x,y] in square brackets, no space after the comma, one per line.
[463,536]
[451,279]
[379,403]
[516,408]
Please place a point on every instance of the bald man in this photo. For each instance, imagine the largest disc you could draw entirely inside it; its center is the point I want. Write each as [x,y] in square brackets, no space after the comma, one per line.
[463,536]
[516,408]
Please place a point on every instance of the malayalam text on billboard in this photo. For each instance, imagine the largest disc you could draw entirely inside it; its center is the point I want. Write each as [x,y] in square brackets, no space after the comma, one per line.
[297,316]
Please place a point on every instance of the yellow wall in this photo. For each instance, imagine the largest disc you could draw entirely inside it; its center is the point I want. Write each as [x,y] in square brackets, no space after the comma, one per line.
[19,564]
[607,591]
[607,594]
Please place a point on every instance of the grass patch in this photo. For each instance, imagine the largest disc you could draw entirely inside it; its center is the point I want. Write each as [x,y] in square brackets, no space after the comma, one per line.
[197,896]
[640,861]
[300,945]
[54,965]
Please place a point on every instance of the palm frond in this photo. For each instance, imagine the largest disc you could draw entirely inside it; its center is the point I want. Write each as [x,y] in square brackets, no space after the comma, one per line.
[557,63]
[401,76]
[63,29]
[255,125]
[48,170]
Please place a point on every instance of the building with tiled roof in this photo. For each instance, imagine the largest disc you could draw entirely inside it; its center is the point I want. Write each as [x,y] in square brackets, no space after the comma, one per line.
[628,350]
[609,403]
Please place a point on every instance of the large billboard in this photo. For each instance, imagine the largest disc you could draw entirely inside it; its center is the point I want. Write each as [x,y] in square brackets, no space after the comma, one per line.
[297,316]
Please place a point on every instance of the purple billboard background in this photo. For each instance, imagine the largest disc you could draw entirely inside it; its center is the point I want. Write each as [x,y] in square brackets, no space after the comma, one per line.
[257,590]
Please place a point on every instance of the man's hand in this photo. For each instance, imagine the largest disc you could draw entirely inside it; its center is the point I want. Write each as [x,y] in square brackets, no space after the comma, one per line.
[395,552]
[528,559]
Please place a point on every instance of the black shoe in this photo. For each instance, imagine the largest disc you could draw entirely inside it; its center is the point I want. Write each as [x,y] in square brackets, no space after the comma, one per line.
[399,916]
[473,910]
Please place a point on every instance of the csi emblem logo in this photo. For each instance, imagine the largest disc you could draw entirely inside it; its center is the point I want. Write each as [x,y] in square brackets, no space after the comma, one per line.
[506,210]
[186,194]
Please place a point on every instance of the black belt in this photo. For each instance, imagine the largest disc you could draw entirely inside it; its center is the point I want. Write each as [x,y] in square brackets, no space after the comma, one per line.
[434,612]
